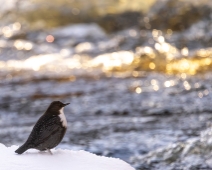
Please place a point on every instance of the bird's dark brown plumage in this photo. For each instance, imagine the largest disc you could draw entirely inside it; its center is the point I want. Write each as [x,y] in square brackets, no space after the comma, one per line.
[48,131]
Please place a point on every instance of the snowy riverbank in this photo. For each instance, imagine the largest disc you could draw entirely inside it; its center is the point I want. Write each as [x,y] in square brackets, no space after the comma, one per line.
[61,159]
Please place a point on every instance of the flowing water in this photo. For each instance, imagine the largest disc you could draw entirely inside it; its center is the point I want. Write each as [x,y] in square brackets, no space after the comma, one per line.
[141,95]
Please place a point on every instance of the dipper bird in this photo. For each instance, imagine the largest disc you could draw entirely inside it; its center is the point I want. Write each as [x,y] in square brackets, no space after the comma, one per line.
[49,129]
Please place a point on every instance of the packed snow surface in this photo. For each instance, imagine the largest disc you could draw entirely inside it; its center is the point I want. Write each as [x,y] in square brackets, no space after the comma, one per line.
[60,159]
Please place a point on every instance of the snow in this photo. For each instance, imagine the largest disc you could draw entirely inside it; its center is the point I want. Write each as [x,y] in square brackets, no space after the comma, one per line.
[61,159]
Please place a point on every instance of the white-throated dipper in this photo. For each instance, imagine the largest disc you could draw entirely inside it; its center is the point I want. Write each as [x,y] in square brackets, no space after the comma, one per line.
[48,131]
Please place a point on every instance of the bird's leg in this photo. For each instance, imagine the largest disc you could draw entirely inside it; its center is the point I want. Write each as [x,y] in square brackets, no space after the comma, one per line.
[49,151]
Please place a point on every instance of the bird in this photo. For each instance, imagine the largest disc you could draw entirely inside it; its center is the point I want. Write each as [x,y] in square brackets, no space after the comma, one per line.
[48,131]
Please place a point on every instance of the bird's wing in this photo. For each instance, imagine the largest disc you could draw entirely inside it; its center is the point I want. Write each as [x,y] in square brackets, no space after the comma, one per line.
[43,129]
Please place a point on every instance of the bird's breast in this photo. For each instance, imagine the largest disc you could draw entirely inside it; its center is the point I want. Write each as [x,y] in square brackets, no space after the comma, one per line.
[63,118]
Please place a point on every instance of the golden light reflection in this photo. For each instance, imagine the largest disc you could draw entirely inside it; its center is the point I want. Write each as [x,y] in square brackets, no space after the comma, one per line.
[157,46]
[7,31]
[138,90]
[154,82]
[170,57]
[135,73]
[183,76]
[169,83]
[23,45]
[65,52]
[200,95]
[165,47]
[28,46]
[152,65]
[155,33]
[155,87]
[204,53]
[113,61]
[35,63]
[186,85]
[83,47]
[207,61]
[185,51]
[16,26]
[189,65]
[147,50]
[10,30]
[19,45]
[161,39]
[120,62]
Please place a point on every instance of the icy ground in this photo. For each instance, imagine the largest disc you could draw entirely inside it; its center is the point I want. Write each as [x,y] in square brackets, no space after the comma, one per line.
[61,159]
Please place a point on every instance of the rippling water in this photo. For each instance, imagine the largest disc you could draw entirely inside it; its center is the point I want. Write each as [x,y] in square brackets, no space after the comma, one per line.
[142,95]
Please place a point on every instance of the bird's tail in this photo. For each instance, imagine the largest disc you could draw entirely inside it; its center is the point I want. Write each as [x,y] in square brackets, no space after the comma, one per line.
[22,149]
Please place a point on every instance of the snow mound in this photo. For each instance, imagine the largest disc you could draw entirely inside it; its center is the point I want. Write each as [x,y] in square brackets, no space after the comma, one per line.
[60,159]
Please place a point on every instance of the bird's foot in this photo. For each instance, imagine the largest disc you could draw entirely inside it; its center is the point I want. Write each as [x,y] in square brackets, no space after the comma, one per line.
[49,151]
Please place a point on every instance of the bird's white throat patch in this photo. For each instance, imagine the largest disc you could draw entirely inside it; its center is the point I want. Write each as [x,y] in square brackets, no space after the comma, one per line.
[63,118]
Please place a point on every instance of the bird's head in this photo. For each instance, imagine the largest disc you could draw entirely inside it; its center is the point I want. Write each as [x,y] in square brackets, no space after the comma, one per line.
[56,106]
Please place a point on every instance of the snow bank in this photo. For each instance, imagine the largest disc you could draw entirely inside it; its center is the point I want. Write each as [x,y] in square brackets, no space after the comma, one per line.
[60,160]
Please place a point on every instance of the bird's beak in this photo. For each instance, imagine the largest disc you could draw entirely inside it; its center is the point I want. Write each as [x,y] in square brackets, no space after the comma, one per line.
[66,104]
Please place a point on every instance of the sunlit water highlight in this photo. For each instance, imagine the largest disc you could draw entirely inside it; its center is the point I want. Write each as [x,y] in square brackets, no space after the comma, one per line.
[146,59]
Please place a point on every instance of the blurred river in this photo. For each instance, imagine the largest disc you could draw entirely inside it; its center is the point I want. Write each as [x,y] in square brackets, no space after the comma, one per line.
[141,93]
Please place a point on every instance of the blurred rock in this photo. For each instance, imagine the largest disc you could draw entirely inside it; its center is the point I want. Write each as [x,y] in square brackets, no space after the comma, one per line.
[48,14]
[117,22]
[198,35]
[176,15]
[193,154]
